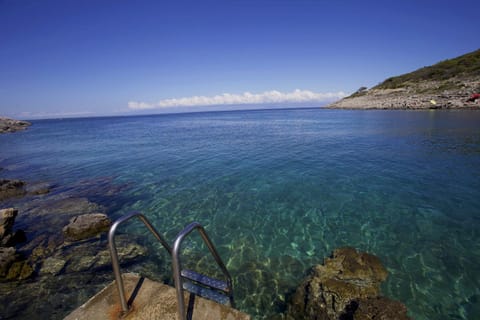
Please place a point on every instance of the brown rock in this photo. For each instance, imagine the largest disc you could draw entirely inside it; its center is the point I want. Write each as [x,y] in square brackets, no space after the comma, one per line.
[346,276]
[7,258]
[94,255]
[11,188]
[86,226]
[42,246]
[38,188]
[7,219]
[11,125]
[62,206]
[379,308]
[52,266]
[19,270]
[126,254]
[8,238]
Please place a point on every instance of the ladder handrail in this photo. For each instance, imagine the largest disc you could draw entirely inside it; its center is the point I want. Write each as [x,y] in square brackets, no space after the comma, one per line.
[114,254]
[176,265]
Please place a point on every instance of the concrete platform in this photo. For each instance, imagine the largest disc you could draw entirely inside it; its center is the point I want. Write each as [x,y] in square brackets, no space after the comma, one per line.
[151,300]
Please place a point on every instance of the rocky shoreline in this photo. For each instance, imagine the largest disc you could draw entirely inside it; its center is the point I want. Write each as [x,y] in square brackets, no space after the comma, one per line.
[421,96]
[51,225]
[8,125]
[53,247]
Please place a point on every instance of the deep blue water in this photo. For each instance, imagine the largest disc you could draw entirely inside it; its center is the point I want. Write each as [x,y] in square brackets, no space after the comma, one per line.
[278,190]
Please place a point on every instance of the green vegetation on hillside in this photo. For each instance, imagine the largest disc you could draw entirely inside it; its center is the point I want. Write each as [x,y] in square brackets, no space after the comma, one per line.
[467,65]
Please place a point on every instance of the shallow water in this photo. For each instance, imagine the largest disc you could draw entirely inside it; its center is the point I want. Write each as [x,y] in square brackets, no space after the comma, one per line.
[278,190]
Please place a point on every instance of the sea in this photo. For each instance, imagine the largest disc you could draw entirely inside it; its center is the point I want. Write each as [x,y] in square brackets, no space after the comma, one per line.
[277,191]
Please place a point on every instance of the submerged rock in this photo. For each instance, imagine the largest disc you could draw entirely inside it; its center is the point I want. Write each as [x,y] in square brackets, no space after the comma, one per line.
[11,188]
[86,226]
[13,266]
[83,259]
[8,237]
[49,297]
[63,205]
[49,214]
[346,284]
[20,270]
[7,257]
[52,266]
[378,308]
[40,188]
[7,219]
[42,247]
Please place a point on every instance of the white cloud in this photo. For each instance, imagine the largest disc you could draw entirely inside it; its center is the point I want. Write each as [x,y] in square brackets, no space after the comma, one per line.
[267,97]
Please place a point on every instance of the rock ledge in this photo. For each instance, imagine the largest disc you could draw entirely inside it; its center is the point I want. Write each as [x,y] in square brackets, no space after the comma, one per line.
[11,125]
[346,286]
[86,226]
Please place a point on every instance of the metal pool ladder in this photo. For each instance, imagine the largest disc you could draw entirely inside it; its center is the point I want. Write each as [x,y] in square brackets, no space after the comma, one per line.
[220,291]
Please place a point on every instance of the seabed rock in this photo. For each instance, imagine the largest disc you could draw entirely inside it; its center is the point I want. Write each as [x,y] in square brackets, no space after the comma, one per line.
[12,265]
[346,286]
[7,219]
[378,308]
[40,277]
[7,258]
[62,205]
[11,188]
[20,270]
[84,257]
[52,266]
[48,214]
[8,238]
[86,226]
[40,188]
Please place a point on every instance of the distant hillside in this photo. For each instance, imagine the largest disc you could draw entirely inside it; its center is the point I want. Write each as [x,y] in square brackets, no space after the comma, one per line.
[466,66]
[444,85]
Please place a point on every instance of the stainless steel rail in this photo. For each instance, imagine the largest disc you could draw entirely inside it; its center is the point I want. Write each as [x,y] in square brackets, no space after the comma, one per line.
[177,265]
[114,254]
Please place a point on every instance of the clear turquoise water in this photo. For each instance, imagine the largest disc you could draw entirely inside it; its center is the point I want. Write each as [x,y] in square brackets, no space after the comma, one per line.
[278,190]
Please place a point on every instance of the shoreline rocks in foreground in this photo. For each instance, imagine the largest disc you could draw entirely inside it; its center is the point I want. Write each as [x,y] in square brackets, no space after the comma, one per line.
[10,125]
[49,275]
[62,235]
[346,286]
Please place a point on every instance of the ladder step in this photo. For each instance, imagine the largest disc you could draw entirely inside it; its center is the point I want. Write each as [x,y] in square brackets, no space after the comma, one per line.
[205,280]
[206,293]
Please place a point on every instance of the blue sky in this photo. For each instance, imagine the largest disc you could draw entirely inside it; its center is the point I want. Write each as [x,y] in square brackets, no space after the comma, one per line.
[87,58]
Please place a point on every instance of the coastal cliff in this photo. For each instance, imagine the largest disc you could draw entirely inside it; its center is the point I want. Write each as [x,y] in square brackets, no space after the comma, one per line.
[449,84]
[11,125]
